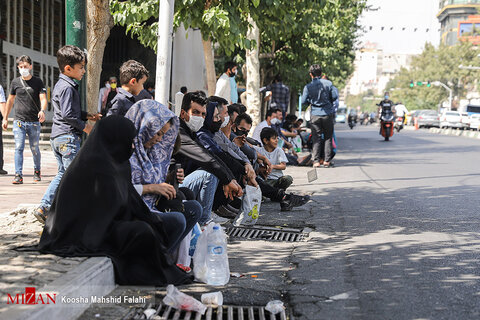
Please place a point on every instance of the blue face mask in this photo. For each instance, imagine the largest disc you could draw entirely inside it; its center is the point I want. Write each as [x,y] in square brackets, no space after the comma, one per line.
[386,97]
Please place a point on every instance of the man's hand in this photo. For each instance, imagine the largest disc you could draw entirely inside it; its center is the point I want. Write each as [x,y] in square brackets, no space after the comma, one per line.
[41,116]
[288,144]
[232,190]
[94,116]
[240,140]
[180,175]
[5,124]
[88,128]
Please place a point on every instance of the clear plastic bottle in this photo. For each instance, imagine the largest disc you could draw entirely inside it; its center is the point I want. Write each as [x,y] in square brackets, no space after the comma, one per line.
[217,263]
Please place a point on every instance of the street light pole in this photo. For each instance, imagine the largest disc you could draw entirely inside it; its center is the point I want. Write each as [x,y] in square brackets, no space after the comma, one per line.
[164,47]
[438,83]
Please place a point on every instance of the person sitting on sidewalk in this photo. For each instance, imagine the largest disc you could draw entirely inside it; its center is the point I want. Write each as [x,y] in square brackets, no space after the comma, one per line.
[68,119]
[204,171]
[98,212]
[132,77]
[28,96]
[277,158]
[157,129]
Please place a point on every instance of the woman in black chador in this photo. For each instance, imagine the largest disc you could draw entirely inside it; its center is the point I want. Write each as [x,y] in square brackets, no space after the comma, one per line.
[98,212]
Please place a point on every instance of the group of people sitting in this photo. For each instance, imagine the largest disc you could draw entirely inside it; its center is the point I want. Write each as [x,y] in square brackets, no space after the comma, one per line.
[143,180]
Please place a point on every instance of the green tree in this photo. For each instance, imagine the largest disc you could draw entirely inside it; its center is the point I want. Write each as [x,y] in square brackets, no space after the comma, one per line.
[436,64]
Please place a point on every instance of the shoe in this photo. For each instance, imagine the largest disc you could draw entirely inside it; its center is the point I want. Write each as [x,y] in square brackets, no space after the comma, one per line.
[291,200]
[329,164]
[3,171]
[36,176]
[39,213]
[218,219]
[224,212]
[184,268]
[233,209]
[18,179]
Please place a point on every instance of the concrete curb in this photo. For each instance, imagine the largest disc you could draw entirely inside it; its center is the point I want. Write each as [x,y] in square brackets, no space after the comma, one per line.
[93,277]
[456,132]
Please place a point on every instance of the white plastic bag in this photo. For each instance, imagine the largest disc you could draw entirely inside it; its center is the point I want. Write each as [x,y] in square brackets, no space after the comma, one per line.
[183,257]
[252,198]
[200,255]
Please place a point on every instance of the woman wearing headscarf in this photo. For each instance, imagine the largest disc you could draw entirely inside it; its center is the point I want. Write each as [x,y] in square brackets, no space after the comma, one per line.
[157,130]
[98,212]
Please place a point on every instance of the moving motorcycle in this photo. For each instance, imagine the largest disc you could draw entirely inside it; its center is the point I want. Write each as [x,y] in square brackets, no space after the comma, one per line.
[352,120]
[386,124]
[399,124]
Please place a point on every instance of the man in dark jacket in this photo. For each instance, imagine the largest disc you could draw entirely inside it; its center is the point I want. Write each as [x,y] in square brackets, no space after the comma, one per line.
[203,170]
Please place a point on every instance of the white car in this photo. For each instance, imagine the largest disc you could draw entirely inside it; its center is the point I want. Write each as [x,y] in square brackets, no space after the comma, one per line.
[474,122]
[465,120]
[451,119]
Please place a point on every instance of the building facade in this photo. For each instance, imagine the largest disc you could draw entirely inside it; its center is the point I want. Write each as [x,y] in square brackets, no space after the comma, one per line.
[35,28]
[456,21]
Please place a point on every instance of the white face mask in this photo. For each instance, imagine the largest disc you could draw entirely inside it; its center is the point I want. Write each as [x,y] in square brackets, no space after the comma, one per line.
[195,123]
[24,72]
[225,122]
[275,121]
[107,85]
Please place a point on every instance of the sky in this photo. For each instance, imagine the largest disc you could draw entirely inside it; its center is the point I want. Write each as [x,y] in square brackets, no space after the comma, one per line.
[393,16]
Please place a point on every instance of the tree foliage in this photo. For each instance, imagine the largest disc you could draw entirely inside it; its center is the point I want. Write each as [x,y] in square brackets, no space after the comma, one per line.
[294,33]
[436,64]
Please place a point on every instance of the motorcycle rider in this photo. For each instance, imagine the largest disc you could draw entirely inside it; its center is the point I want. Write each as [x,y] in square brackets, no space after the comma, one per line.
[385,106]
[401,111]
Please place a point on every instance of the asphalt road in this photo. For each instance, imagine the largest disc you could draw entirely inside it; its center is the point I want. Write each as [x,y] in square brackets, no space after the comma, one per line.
[396,230]
[395,236]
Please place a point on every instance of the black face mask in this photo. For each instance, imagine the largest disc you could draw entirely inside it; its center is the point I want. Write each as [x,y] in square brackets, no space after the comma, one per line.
[240,132]
[216,126]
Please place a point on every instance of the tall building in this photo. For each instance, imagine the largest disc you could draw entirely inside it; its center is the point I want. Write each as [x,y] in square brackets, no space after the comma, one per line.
[459,21]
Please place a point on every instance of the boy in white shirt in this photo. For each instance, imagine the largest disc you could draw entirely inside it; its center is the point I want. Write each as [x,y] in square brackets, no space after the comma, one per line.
[277,158]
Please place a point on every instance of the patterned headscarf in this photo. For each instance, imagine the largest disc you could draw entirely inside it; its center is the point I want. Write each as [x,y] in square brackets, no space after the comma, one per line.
[150,166]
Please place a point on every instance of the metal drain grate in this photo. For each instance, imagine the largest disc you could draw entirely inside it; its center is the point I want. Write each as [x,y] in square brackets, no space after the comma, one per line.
[164,312]
[267,233]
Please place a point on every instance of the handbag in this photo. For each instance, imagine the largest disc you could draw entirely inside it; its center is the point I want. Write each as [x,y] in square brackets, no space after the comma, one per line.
[173,205]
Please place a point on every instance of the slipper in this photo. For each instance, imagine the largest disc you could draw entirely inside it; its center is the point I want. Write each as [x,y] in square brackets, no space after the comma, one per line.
[330,165]
[184,268]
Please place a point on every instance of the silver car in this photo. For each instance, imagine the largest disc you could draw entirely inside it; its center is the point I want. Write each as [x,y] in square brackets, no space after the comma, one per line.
[428,118]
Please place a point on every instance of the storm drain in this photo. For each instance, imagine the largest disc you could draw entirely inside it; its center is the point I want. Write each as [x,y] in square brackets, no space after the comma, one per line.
[164,312]
[267,233]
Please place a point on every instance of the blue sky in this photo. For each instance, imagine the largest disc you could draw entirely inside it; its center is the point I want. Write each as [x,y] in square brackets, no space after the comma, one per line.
[399,19]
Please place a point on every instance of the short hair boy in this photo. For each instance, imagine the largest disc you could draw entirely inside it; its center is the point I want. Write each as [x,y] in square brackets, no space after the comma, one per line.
[69,121]
[132,77]
[277,158]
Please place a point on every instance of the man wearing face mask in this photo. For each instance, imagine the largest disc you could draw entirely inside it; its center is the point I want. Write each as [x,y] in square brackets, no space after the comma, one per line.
[224,86]
[28,96]
[203,170]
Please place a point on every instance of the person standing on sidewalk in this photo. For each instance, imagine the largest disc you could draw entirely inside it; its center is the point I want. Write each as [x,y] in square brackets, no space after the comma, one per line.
[2,111]
[320,94]
[224,87]
[280,95]
[68,119]
[28,96]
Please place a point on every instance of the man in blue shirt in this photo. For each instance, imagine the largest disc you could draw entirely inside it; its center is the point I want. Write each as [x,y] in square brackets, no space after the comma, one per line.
[321,95]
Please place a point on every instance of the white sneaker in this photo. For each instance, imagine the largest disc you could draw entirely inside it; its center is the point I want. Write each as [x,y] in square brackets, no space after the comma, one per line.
[218,219]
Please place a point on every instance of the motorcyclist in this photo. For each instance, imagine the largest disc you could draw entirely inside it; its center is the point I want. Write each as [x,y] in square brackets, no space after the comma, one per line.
[386,106]
[401,111]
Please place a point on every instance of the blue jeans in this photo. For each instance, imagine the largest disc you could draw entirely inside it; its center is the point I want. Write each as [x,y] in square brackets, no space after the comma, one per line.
[203,184]
[20,130]
[65,149]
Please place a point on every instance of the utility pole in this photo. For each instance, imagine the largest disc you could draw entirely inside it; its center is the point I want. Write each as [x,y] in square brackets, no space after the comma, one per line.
[164,48]
[75,34]
[438,83]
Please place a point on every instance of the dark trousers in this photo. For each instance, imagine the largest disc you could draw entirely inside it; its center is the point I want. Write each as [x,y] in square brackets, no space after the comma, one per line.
[1,149]
[269,191]
[322,125]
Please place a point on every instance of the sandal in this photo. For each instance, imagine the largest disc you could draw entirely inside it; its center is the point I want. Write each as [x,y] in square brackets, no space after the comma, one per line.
[184,268]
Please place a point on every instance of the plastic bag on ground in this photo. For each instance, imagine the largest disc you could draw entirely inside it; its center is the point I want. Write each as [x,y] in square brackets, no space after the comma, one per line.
[251,201]
[182,301]
[275,306]
[183,249]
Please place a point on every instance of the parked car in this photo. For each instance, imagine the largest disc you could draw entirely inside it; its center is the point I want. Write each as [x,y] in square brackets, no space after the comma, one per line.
[465,120]
[341,115]
[428,118]
[474,122]
[451,119]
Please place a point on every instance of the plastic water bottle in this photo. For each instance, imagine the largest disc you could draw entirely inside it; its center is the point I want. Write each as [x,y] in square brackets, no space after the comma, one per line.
[217,268]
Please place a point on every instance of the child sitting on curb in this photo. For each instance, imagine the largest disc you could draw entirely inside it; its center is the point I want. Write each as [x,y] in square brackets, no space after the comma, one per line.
[277,158]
